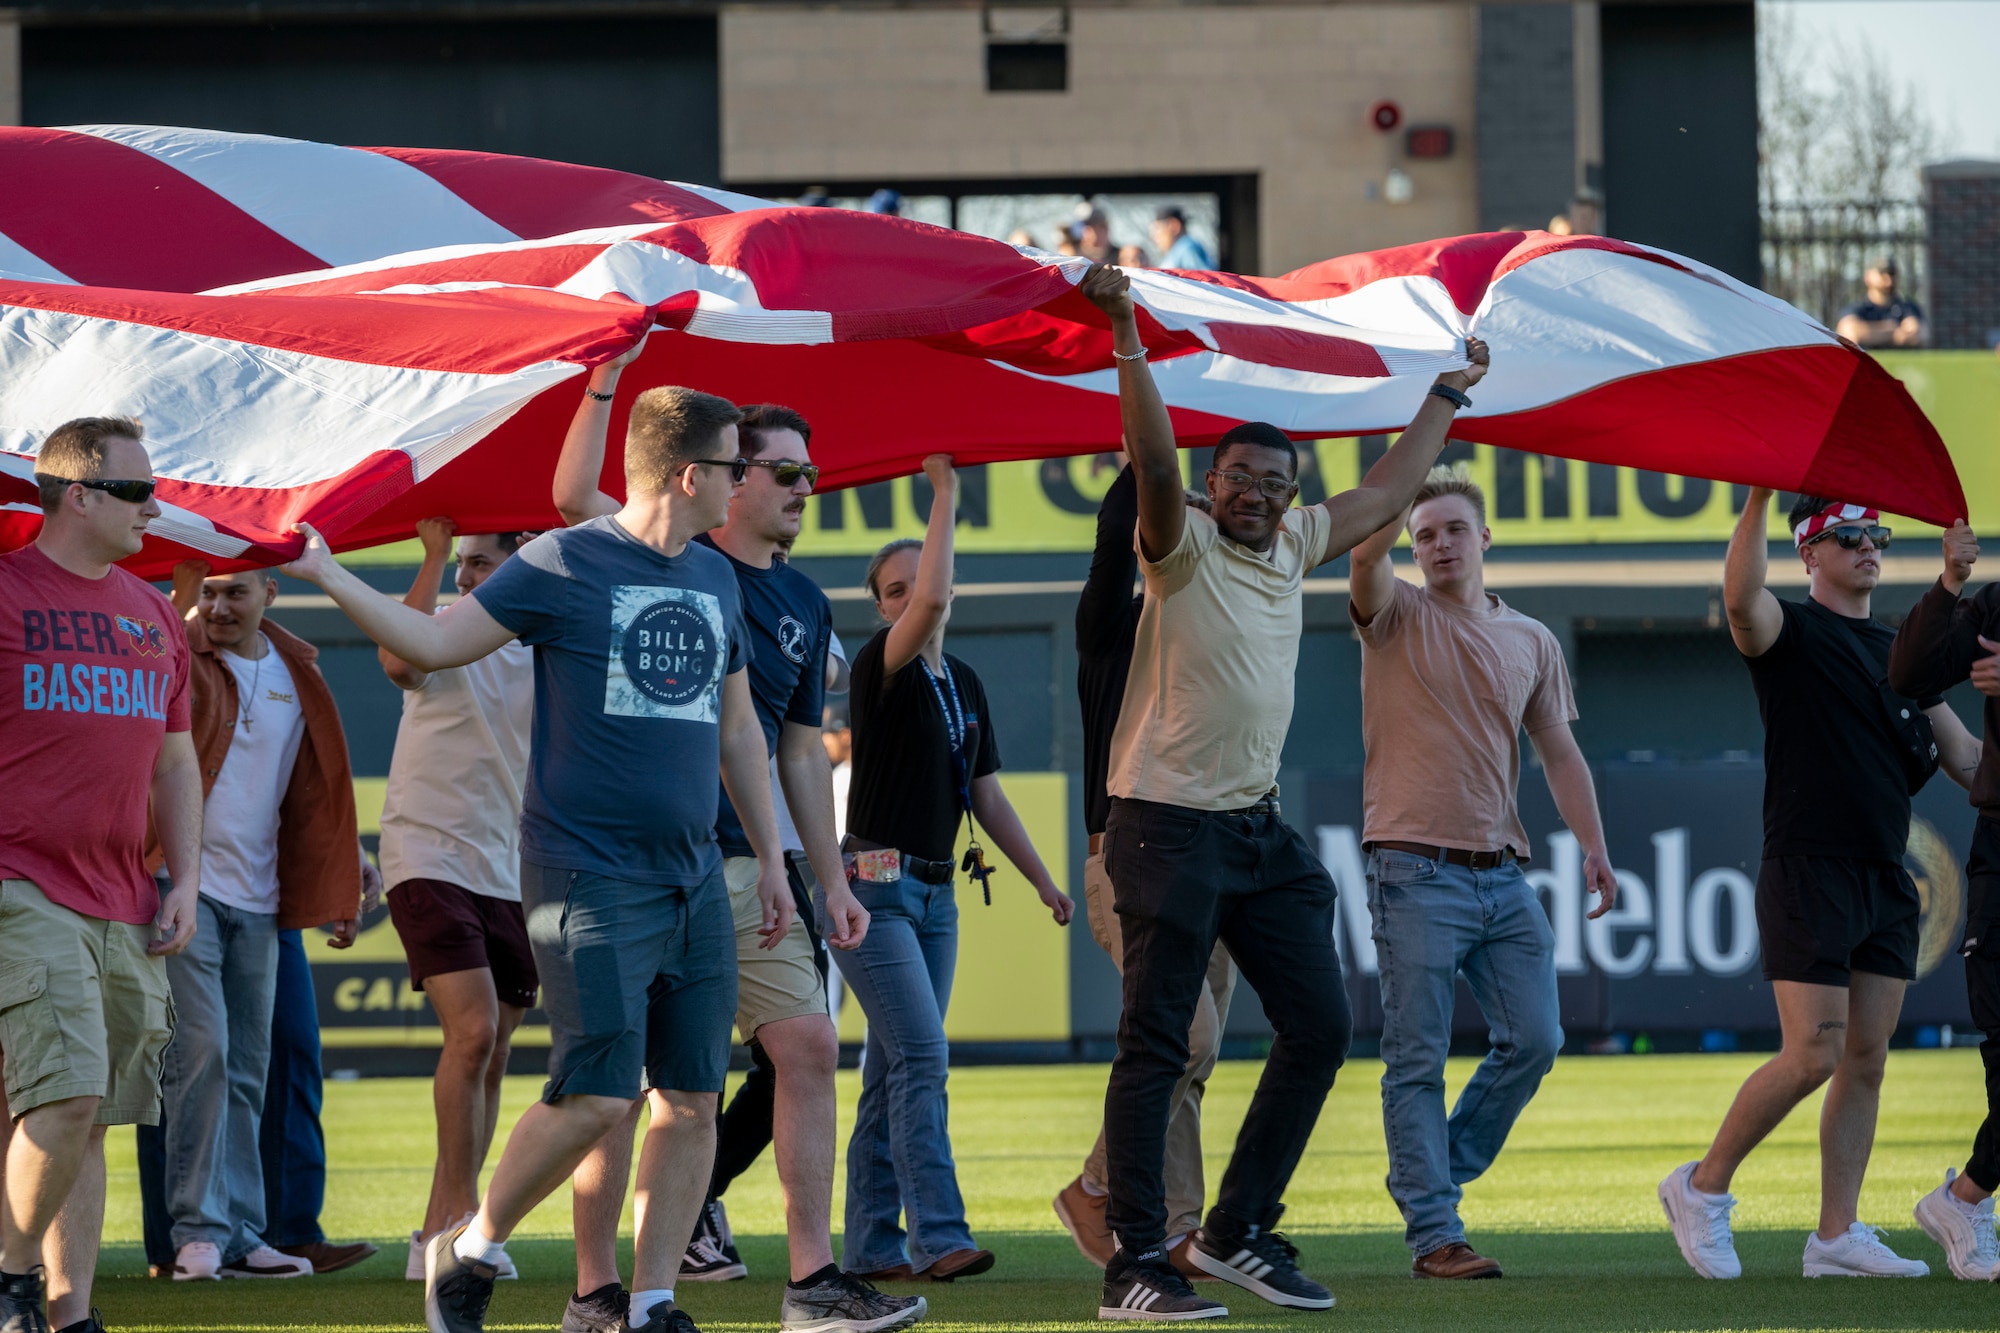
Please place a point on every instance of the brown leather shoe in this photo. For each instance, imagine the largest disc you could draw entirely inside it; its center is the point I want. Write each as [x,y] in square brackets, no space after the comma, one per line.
[1082,1214]
[1457,1261]
[1177,1253]
[326,1257]
[899,1273]
[958,1264]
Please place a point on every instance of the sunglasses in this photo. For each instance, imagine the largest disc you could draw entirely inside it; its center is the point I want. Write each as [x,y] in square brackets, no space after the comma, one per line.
[131,492]
[1274,487]
[787,473]
[739,468]
[1849,536]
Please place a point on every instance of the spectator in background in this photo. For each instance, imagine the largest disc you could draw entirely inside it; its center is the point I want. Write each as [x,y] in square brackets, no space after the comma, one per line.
[1093,234]
[279,850]
[451,850]
[838,738]
[1177,248]
[84,1041]
[886,201]
[815,196]
[1133,256]
[1021,236]
[1886,318]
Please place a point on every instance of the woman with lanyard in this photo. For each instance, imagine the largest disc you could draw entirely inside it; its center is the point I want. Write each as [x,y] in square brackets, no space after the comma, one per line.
[924,758]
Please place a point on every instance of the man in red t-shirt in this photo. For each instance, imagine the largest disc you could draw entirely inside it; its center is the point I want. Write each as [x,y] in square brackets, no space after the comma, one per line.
[93,722]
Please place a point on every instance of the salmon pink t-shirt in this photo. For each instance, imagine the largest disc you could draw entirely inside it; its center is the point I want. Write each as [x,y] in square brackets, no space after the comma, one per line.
[93,675]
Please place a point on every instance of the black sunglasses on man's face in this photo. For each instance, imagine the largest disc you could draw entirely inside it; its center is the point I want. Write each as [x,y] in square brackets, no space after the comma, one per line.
[131,492]
[1849,536]
[739,468]
[786,472]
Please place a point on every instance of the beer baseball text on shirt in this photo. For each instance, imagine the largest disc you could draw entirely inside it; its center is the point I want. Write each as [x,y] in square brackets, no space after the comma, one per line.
[92,687]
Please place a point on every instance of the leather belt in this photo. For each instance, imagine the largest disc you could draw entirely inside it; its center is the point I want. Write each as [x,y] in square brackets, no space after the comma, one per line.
[1267,806]
[1457,856]
[927,872]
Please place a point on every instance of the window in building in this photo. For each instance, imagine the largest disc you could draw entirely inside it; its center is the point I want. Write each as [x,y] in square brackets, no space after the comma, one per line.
[1027,48]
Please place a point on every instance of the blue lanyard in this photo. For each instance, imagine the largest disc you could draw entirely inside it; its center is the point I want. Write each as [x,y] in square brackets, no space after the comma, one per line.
[954,726]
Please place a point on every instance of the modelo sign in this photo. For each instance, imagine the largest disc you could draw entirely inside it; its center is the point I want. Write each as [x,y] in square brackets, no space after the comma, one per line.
[1679,950]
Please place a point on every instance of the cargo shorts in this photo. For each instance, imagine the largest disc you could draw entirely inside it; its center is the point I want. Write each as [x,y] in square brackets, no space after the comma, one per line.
[85,1011]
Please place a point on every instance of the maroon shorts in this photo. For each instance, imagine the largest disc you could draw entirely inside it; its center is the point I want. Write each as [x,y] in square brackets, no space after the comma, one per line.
[446,928]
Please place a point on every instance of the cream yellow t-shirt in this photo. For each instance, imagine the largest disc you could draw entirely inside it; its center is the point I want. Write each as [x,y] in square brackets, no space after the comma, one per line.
[1209,698]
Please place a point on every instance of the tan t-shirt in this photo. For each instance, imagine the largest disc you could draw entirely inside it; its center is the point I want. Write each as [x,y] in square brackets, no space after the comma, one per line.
[1445,695]
[453,810]
[1209,698]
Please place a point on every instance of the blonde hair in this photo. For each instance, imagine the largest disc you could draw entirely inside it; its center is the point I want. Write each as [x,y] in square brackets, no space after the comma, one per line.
[1442,481]
[669,428]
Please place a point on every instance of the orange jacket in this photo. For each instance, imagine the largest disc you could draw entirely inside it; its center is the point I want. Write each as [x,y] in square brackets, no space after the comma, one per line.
[319,856]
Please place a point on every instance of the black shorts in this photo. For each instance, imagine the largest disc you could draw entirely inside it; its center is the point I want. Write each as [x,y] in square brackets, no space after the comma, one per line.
[1820,918]
[446,928]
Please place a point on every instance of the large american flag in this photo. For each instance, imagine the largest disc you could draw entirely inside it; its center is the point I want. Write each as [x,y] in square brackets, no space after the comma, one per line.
[362,337]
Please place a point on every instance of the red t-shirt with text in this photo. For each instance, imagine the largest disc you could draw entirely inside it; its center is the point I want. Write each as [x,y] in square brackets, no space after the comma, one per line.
[93,675]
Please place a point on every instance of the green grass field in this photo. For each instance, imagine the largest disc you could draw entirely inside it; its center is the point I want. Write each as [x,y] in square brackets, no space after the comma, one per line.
[1569,1209]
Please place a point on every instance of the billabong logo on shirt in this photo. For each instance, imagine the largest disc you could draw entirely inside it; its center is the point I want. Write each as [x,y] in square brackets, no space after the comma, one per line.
[667,654]
[148,639]
[792,639]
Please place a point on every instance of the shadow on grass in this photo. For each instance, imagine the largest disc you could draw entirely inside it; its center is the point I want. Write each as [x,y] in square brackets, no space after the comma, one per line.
[1555,1280]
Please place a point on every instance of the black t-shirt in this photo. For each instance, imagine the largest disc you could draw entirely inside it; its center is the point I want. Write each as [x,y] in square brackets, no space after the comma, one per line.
[1899,310]
[790,620]
[1833,777]
[904,789]
[1107,621]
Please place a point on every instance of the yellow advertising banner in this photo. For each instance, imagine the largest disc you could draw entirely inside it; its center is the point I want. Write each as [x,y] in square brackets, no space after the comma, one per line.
[1534,500]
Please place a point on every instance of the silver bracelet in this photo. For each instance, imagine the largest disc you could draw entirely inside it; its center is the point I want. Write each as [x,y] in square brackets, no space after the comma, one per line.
[1139,355]
[607,397]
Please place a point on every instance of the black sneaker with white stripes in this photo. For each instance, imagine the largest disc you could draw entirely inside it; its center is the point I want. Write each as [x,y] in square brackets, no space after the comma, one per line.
[1258,1260]
[1148,1286]
[711,1253]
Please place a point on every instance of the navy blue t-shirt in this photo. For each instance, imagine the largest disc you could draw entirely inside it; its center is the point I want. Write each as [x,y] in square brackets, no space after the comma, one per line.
[631,648]
[1899,310]
[790,621]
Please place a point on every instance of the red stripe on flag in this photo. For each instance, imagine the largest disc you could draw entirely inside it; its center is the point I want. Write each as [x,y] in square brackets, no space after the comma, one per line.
[532,197]
[483,332]
[111,216]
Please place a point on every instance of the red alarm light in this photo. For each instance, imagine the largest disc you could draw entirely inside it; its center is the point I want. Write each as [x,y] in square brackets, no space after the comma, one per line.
[1428,141]
[1385,115]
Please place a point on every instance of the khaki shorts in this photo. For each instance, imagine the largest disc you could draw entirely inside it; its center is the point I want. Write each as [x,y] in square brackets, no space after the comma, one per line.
[771,984]
[85,1011]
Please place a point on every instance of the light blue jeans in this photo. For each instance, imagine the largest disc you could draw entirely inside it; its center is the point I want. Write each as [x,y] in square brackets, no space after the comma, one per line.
[1432,922]
[899,1163]
[224,984]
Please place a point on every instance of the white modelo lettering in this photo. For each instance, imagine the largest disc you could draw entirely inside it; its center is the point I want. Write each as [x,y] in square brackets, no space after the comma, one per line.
[1670,877]
[1669,927]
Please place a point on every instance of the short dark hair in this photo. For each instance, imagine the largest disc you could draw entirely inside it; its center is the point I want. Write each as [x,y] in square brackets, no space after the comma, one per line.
[669,428]
[75,451]
[1804,508]
[1171,213]
[761,417]
[511,542]
[1263,435]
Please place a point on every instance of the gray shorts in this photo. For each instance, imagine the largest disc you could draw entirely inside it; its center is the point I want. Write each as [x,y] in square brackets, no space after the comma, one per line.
[614,953]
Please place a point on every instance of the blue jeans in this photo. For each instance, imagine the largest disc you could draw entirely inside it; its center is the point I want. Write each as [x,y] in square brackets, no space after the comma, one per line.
[1432,922]
[899,1164]
[224,985]
[290,1141]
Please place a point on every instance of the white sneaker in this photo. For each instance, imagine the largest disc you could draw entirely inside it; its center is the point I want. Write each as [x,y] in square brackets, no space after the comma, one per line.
[1701,1224]
[198,1261]
[1964,1230]
[267,1263]
[1858,1252]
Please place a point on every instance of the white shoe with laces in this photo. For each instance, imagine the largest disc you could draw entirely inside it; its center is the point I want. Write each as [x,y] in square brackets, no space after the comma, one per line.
[198,1261]
[1858,1251]
[265,1262]
[1963,1230]
[1701,1224]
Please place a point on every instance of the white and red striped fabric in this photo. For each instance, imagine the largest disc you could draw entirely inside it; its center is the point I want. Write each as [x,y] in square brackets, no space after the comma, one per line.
[362,337]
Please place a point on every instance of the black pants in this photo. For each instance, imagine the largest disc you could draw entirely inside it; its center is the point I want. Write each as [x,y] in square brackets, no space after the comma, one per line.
[1180,880]
[744,1129]
[1982,985]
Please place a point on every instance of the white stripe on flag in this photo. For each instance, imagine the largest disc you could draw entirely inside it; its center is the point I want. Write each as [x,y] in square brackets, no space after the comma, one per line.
[342,204]
[20,264]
